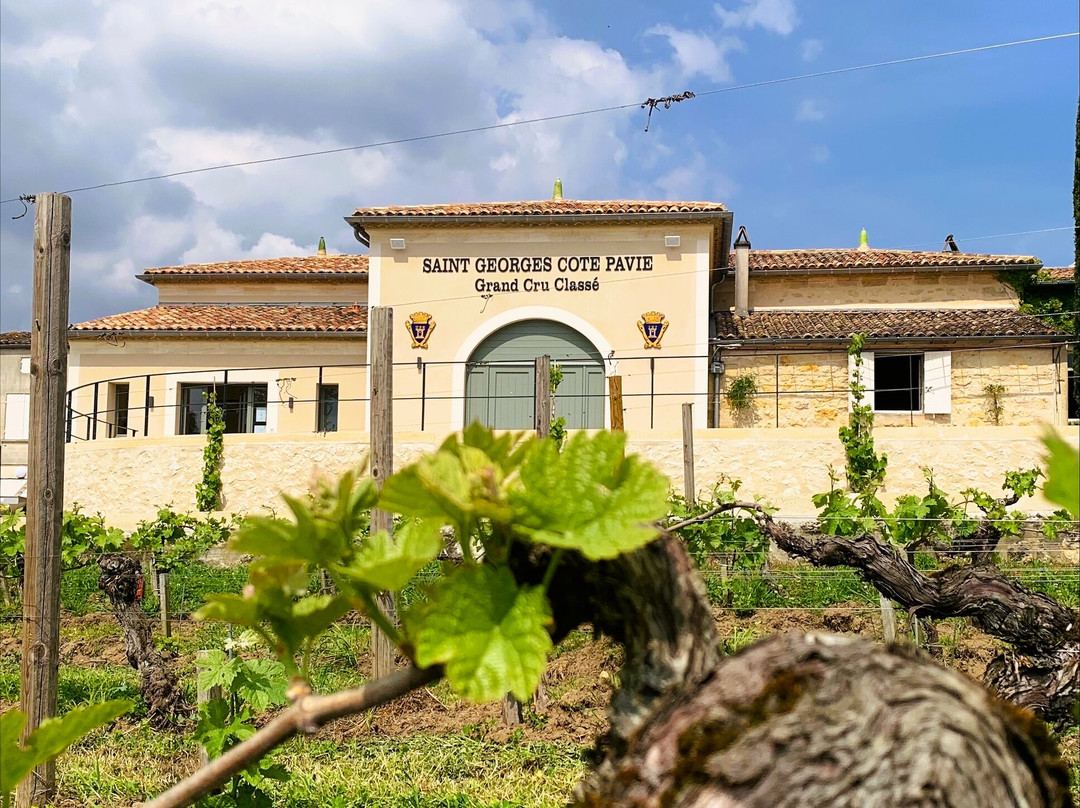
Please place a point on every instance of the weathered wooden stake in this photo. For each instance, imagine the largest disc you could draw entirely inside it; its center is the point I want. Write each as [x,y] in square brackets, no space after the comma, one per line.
[614,384]
[689,489]
[381,336]
[45,479]
[512,709]
[205,695]
[543,410]
[163,600]
[888,619]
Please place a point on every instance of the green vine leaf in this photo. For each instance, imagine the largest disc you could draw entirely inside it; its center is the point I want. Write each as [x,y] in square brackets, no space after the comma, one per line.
[52,737]
[389,563]
[489,633]
[589,497]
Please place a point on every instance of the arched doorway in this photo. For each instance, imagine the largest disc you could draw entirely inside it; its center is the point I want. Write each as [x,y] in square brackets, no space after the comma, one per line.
[499,379]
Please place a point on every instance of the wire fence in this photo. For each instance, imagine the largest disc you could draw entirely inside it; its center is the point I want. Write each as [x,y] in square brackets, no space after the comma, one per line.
[804,387]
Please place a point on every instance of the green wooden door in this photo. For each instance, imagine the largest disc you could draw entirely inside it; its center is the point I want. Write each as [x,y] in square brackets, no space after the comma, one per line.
[499,383]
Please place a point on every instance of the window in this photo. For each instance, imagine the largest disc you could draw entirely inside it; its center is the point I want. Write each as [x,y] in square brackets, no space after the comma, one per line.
[119,398]
[17,416]
[243,407]
[328,408]
[907,382]
[898,382]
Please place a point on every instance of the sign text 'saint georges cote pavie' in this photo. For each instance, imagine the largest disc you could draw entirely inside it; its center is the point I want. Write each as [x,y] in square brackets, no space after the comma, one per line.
[563,263]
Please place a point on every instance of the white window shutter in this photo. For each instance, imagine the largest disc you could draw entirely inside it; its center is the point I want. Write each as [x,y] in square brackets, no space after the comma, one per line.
[24,365]
[17,417]
[867,374]
[937,382]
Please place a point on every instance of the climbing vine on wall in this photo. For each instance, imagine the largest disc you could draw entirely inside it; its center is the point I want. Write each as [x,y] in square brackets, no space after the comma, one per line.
[208,492]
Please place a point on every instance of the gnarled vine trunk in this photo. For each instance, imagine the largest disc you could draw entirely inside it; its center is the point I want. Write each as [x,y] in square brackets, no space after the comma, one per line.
[807,721]
[1041,672]
[121,578]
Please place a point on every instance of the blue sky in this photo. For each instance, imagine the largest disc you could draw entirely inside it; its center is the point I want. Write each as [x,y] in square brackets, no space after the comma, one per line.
[974,145]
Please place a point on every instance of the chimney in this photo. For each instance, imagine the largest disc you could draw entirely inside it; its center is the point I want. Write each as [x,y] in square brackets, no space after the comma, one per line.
[742,274]
[322,246]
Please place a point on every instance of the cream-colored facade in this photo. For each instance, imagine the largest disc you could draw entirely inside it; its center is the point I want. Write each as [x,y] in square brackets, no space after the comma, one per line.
[601,281]
[649,292]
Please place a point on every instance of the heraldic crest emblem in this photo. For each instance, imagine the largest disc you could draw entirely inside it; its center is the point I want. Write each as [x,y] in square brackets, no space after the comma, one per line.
[652,326]
[420,325]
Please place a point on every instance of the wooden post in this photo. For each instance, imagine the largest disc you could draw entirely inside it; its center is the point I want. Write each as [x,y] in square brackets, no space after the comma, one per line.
[689,490]
[163,600]
[888,620]
[614,385]
[543,411]
[204,695]
[45,480]
[381,337]
[512,709]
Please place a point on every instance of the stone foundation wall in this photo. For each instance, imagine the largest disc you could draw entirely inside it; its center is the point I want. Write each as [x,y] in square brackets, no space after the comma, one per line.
[127,480]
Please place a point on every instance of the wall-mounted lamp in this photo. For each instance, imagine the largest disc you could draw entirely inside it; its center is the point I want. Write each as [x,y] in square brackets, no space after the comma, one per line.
[672,241]
[397,244]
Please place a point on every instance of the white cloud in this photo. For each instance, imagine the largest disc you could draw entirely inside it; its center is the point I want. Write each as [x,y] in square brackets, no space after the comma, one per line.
[777,16]
[698,53]
[820,154]
[123,89]
[809,110]
[811,49]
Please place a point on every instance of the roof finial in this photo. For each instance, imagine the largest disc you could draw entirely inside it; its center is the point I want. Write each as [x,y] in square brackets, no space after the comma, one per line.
[556,193]
[322,246]
[864,241]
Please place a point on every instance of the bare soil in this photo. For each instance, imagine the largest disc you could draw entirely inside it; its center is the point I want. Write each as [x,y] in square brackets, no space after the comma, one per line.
[578,682]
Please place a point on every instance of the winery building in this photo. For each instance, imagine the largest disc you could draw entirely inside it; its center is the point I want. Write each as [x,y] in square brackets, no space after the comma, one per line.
[665,296]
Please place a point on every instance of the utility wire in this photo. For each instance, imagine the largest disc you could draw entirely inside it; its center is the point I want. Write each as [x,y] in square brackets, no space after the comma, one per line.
[995,235]
[562,116]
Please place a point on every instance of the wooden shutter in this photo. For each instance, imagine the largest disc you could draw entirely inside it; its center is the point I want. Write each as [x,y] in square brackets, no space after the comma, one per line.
[17,417]
[937,382]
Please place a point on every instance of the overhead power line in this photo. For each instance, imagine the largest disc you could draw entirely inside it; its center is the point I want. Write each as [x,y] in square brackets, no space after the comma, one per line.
[557,117]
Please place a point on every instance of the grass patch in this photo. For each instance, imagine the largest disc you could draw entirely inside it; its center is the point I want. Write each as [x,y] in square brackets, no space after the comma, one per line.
[79,685]
[447,771]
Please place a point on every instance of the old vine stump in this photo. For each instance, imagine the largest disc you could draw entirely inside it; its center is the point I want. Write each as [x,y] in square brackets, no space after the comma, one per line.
[808,721]
[121,579]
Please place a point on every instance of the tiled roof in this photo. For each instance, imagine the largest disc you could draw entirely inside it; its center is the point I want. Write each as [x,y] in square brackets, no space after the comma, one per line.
[348,265]
[885,324]
[15,338]
[229,319]
[1057,274]
[544,207]
[766,260]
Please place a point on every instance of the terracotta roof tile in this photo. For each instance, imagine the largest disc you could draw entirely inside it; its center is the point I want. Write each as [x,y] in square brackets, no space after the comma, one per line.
[902,324]
[766,260]
[1057,274]
[15,338]
[543,207]
[229,319]
[349,265]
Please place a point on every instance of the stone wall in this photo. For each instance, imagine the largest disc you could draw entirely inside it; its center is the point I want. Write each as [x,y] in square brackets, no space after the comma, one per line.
[127,480]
